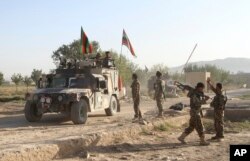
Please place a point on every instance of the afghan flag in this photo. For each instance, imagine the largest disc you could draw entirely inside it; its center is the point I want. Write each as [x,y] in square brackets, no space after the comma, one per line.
[126,42]
[86,47]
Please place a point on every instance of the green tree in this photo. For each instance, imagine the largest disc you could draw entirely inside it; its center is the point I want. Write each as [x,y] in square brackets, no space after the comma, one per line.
[177,76]
[224,76]
[159,67]
[27,81]
[1,78]
[125,66]
[36,75]
[96,46]
[72,51]
[17,79]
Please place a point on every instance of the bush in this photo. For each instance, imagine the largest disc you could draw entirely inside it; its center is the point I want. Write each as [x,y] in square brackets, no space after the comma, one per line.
[163,127]
[13,98]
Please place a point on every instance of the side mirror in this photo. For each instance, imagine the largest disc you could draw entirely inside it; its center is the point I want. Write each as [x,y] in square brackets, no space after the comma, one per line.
[103,84]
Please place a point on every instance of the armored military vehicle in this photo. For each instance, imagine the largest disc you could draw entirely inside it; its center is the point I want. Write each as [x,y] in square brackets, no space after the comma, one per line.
[76,91]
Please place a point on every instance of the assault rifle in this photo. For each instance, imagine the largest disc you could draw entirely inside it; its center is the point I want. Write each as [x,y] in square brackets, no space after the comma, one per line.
[189,88]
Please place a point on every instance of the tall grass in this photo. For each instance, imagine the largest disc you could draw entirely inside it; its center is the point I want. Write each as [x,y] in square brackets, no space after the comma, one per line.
[8,92]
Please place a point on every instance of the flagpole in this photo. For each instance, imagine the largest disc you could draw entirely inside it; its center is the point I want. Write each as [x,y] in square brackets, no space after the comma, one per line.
[121,54]
[183,69]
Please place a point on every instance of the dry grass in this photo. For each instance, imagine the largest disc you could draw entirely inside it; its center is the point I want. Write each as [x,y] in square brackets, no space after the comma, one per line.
[229,126]
[164,127]
[11,90]
[9,93]
[245,97]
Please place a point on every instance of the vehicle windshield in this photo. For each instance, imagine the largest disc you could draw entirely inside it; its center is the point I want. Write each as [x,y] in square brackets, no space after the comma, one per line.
[59,82]
[79,83]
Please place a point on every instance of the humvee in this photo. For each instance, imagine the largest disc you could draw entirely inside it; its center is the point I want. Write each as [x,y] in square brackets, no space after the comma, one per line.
[76,92]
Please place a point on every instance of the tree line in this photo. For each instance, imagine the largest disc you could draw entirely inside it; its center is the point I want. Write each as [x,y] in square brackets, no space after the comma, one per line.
[125,66]
[18,79]
[218,74]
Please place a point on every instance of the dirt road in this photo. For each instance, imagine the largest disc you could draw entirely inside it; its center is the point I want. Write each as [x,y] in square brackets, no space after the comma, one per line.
[16,131]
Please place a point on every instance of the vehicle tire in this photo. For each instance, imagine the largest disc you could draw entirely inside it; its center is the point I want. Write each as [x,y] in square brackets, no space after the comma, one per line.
[112,109]
[79,112]
[30,112]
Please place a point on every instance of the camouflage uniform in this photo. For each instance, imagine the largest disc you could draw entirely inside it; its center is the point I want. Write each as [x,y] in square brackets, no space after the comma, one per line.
[159,88]
[98,60]
[135,86]
[219,105]
[195,121]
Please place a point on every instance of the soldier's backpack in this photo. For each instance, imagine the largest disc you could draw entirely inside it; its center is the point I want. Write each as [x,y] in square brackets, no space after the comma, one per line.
[178,107]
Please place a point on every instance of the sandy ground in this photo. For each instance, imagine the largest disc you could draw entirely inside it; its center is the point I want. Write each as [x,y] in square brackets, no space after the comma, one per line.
[15,131]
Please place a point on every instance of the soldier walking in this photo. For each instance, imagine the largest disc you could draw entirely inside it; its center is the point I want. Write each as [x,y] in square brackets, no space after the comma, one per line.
[218,103]
[197,98]
[135,86]
[159,87]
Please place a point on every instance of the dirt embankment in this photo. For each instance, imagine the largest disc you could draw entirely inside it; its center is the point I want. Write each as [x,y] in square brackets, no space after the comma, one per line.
[69,146]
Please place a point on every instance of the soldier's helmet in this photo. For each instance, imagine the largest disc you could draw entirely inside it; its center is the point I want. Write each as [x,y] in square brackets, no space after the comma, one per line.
[158,74]
[134,76]
[219,85]
[107,53]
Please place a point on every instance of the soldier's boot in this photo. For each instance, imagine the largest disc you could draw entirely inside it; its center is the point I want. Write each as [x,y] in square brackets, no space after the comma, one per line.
[182,138]
[220,138]
[214,137]
[160,114]
[135,119]
[203,142]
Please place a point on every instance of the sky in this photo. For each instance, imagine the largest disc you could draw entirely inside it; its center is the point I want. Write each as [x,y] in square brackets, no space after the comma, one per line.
[161,31]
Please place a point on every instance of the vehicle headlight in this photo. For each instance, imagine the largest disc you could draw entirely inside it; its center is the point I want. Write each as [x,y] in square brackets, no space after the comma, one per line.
[48,100]
[35,97]
[42,99]
[60,98]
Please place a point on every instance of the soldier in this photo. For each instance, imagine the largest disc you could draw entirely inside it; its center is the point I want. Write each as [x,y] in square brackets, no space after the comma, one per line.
[107,60]
[63,62]
[40,83]
[135,86]
[195,122]
[98,60]
[159,87]
[219,106]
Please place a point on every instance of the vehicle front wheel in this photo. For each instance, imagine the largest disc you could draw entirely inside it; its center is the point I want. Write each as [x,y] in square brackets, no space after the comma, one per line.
[79,112]
[31,112]
[112,109]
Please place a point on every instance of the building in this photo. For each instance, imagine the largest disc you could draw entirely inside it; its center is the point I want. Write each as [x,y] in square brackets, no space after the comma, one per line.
[192,78]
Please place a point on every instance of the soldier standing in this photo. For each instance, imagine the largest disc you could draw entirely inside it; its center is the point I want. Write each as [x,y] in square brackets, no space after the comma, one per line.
[219,106]
[159,87]
[98,60]
[135,86]
[106,60]
[196,100]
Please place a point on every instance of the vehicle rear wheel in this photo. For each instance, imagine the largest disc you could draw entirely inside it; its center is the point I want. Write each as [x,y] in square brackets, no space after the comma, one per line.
[79,112]
[112,109]
[30,112]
